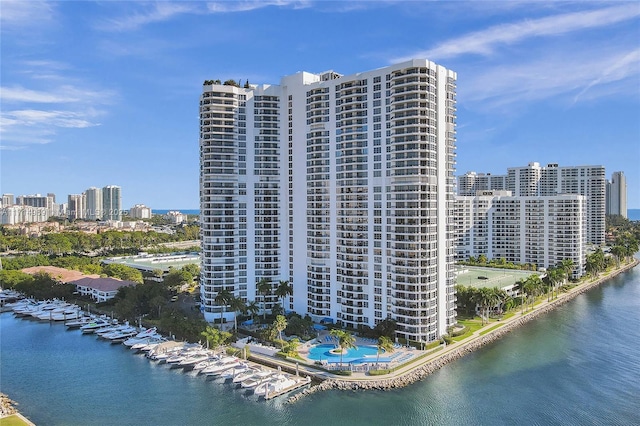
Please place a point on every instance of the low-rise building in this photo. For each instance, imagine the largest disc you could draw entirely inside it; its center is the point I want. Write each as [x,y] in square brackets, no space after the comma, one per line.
[100,289]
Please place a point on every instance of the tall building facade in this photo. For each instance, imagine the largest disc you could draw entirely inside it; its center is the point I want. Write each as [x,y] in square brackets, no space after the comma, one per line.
[541,230]
[7,200]
[77,206]
[95,208]
[111,203]
[471,182]
[535,180]
[341,185]
[617,194]
[140,211]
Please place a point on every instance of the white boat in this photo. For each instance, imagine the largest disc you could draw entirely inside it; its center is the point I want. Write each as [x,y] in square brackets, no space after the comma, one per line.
[141,344]
[79,322]
[218,367]
[190,362]
[149,346]
[244,375]
[142,336]
[205,363]
[277,383]
[96,325]
[73,312]
[233,372]
[256,379]
[102,332]
[121,333]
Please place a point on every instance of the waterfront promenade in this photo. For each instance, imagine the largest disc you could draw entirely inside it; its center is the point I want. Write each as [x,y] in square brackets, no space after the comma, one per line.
[426,363]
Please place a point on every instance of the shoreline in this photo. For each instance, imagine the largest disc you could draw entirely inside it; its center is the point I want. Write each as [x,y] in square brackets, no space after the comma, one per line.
[8,409]
[412,373]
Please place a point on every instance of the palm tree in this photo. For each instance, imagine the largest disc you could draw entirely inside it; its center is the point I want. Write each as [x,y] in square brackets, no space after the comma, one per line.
[252,308]
[283,290]
[280,324]
[567,266]
[384,345]
[345,341]
[264,287]
[222,299]
[237,305]
[533,285]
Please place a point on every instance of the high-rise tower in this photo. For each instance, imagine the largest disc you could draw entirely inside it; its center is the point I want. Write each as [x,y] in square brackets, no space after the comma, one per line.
[341,185]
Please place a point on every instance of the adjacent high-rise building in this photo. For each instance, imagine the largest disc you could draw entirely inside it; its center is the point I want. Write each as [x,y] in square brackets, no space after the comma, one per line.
[617,195]
[111,203]
[535,180]
[471,182]
[77,206]
[140,211]
[341,185]
[7,200]
[540,230]
[95,210]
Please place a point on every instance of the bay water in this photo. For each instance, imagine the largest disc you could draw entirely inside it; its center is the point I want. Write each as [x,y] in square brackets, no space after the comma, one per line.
[578,365]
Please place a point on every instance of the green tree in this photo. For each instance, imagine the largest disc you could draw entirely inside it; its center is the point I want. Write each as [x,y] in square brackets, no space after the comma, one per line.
[264,288]
[123,272]
[384,345]
[176,278]
[252,308]
[280,324]
[237,305]
[11,279]
[283,290]
[214,337]
[346,341]
[222,299]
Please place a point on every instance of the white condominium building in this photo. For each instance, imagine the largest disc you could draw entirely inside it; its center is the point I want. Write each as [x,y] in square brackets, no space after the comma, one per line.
[534,180]
[112,203]
[140,211]
[341,185]
[77,206]
[94,203]
[471,182]
[542,230]
[617,194]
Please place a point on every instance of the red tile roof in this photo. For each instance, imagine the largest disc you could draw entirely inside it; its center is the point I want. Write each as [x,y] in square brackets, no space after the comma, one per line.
[102,284]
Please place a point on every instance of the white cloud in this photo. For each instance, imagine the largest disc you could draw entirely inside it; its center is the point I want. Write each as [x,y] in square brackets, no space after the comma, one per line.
[567,75]
[485,41]
[158,12]
[246,6]
[21,14]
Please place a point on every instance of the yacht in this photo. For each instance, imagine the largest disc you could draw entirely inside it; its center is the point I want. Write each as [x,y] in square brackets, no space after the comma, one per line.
[122,335]
[205,363]
[235,371]
[190,362]
[79,322]
[142,336]
[96,325]
[220,366]
[277,383]
[244,375]
[256,379]
[70,313]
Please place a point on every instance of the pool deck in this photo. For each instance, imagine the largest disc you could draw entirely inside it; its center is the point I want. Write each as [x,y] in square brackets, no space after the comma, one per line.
[423,363]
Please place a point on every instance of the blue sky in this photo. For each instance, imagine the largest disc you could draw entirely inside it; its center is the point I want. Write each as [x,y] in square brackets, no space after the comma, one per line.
[99,93]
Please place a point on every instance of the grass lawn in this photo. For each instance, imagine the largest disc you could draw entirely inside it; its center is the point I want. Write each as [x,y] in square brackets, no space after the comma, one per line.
[483,332]
[12,420]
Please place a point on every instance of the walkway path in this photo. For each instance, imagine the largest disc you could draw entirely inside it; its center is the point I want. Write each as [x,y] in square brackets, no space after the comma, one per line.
[420,368]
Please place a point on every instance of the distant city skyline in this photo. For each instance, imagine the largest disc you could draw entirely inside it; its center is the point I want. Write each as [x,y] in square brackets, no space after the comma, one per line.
[552,81]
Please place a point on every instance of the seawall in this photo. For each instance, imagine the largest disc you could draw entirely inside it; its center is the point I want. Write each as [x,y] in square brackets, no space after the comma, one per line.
[419,371]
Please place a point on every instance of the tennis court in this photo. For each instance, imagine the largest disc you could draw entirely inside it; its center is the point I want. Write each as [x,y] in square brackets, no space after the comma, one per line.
[491,277]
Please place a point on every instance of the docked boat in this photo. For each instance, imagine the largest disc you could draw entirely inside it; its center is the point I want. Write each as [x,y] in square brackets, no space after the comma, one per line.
[244,375]
[144,345]
[71,313]
[96,325]
[79,322]
[142,336]
[233,372]
[220,366]
[275,384]
[121,336]
[190,362]
[256,380]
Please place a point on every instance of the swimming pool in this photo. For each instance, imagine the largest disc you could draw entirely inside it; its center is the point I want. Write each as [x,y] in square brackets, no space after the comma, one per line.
[357,355]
